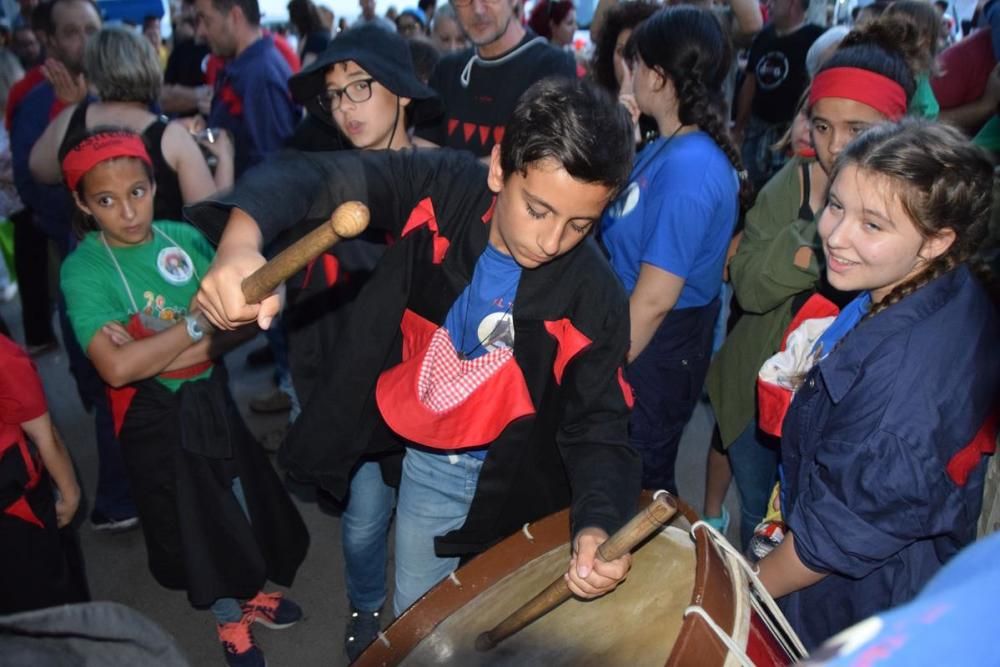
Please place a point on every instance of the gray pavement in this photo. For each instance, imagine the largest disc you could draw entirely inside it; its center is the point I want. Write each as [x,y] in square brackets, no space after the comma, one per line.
[116,564]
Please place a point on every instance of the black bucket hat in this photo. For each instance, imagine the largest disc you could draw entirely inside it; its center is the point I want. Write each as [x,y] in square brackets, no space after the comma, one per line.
[384,55]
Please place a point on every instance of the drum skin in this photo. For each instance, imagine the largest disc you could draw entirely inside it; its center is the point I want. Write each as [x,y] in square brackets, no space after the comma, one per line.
[640,623]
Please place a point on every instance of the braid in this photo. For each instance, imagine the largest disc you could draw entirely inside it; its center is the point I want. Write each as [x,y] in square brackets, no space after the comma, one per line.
[934,270]
[696,106]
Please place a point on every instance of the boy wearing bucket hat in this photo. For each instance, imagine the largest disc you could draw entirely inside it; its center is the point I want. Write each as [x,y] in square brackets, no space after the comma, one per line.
[365,85]
[488,344]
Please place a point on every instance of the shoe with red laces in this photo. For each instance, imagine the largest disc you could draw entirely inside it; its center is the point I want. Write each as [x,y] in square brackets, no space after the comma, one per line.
[273,610]
[238,644]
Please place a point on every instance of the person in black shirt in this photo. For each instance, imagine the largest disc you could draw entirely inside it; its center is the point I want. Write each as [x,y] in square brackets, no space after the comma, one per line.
[547,423]
[775,80]
[479,86]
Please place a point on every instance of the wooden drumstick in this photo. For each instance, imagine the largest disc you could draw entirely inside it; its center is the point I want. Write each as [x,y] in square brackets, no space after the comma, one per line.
[349,220]
[641,526]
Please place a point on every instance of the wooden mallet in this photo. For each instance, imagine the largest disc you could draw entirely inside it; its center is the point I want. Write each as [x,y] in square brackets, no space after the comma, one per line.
[349,220]
[641,526]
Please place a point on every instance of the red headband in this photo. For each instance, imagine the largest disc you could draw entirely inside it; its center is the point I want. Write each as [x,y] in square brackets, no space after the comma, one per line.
[96,149]
[852,83]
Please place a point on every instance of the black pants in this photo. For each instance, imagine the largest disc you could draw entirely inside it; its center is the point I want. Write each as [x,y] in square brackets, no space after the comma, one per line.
[31,260]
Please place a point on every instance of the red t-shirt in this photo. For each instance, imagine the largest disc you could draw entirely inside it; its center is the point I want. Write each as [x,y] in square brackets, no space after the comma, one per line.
[965,68]
[21,399]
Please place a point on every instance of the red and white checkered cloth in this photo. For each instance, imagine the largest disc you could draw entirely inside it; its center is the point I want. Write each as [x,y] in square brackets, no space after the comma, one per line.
[446,380]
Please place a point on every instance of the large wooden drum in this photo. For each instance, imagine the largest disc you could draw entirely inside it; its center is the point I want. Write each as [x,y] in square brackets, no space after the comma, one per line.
[688,600]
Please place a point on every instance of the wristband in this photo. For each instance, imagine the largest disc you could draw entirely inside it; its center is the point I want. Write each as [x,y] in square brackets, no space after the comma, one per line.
[194,330]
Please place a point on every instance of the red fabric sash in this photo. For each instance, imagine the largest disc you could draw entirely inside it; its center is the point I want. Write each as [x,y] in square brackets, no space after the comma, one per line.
[475,421]
[967,459]
[20,508]
[121,398]
[773,401]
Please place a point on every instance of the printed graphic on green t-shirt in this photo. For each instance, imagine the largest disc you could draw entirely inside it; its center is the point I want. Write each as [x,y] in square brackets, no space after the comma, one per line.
[162,279]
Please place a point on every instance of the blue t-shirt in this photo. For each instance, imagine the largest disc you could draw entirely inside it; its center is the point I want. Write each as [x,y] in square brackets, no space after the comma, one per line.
[946,624]
[482,318]
[677,214]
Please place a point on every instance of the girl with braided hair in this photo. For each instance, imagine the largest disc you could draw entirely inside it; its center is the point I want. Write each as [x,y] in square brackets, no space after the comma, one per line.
[668,231]
[778,264]
[882,477]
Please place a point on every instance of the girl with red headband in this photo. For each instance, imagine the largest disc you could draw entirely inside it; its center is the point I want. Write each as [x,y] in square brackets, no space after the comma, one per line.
[216,518]
[882,448]
[778,263]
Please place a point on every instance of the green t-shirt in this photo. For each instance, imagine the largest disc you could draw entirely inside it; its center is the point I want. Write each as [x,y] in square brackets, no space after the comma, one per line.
[161,281]
[923,104]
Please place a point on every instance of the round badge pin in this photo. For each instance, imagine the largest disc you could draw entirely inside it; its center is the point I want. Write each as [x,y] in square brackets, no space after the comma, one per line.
[175,265]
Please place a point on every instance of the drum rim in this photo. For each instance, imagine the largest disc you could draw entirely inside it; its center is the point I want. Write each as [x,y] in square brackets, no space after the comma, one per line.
[479,574]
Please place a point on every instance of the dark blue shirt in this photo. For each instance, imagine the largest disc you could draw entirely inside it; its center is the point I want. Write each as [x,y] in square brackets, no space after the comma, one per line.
[482,318]
[51,204]
[252,101]
[865,448]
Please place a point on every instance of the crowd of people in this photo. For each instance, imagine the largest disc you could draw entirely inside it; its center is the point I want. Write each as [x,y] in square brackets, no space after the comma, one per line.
[567,250]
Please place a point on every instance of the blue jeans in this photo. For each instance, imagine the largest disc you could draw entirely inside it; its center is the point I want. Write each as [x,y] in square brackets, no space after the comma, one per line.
[277,338]
[754,458]
[434,498]
[229,610]
[364,529]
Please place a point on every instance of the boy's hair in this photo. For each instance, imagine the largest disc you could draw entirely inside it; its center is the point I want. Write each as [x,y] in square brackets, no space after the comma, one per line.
[942,181]
[574,123]
[251,10]
[123,66]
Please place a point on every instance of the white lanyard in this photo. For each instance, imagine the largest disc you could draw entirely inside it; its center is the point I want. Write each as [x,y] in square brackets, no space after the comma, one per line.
[121,274]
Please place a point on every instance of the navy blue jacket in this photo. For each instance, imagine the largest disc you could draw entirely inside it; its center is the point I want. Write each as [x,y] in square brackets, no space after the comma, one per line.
[252,101]
[865,448]
[52,204]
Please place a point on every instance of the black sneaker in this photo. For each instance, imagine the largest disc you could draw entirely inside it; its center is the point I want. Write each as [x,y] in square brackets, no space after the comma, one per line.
[362,629]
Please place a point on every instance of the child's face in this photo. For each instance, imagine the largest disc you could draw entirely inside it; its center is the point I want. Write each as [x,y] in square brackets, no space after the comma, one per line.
[543,213]
[869,240]
[369,123]
[119,195]
[835,121]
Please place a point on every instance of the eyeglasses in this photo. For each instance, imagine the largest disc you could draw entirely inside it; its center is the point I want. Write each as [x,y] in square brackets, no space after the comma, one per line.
[356,91]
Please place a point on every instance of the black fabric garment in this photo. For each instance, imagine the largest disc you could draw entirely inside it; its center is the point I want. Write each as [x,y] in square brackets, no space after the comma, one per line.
[40,566]
[578,437]
[779,65]
[31,261]
[476,113]
[197,537]
[315,43]
[312,134]
[184,66]
[168,203]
